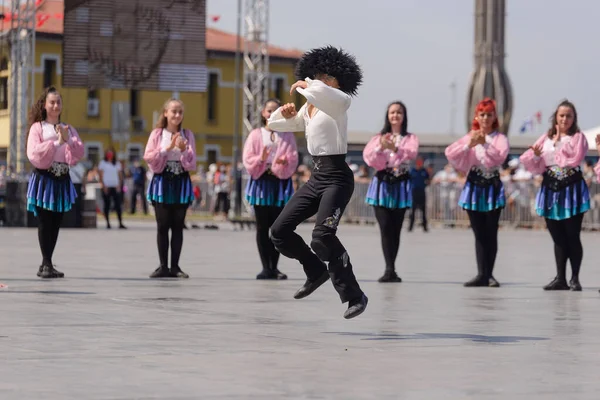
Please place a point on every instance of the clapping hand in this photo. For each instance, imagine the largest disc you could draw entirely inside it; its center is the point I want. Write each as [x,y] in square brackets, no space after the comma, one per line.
[265,153]
[281,160]
[598,143]
[181,143]
[387,142]
[63,133]
[477,137]
[537,150]
[288,110]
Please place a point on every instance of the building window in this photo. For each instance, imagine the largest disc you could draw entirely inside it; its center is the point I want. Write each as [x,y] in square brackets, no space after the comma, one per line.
[213,90]
[134,103]
[135,154]
[49,72]
[211,157]
[93,154]
[279,89]
[92,94]
[4,63]
[3,93]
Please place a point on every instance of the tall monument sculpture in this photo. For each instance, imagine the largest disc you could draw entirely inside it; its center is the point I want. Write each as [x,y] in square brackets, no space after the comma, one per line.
[489,78]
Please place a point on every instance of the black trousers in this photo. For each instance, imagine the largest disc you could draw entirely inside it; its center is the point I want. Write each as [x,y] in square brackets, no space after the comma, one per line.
[485,228]
[48,227]
[265,217]
[139,189]
[169,217]
[419,199]
[390,225]
[326,194]
[116,198]
[566,235]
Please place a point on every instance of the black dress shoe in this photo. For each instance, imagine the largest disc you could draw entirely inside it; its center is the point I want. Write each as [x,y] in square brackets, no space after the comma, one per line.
[478,281]
[178,273]
[493,282]
[575,285]
[356,307]
[161,272]
[389,276]
[280,275]
[311,285]
[557,284]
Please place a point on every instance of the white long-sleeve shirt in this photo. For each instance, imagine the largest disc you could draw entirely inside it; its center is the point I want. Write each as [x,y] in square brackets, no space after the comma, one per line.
[327,131]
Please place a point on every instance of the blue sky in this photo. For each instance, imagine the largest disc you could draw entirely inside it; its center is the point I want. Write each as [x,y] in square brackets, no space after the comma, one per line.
[412,50]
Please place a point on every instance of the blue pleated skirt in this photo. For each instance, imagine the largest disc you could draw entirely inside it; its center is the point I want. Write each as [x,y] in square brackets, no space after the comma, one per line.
[268,190]
[167,188]
[562,201]
[481,193]
[389,191]
[50,192]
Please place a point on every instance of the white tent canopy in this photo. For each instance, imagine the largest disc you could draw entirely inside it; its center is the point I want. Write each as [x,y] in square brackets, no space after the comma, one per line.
[590,135]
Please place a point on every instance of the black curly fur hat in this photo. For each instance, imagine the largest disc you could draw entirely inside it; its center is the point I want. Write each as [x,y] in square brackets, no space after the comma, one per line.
[333,62]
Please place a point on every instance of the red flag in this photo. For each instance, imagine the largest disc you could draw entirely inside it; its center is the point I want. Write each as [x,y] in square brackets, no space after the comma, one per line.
[215,18]
[538,117]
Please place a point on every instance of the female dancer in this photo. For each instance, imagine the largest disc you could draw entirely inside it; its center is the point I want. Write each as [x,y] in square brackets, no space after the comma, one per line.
[52,147]
[170,155]
[330,77]
[563,197]
[480,154]
[390,192]
[270,158]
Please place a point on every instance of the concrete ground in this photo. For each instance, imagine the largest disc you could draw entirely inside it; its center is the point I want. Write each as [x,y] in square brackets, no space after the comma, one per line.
[106,331]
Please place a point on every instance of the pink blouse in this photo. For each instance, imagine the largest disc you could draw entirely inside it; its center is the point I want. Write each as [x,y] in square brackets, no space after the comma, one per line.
[157,155]
[569,151]
[284,148]
[407,148]
[485,156]
[43,147]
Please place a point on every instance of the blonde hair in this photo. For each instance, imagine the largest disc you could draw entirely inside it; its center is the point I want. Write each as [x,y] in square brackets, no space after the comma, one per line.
[162,121]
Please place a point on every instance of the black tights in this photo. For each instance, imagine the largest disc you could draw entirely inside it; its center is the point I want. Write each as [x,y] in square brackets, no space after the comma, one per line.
[390,225]
[48,227]
[170,217]
[265,216]
[567,244]
[485,229]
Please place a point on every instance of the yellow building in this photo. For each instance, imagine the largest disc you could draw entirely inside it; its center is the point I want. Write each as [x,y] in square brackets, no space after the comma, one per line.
[210,115]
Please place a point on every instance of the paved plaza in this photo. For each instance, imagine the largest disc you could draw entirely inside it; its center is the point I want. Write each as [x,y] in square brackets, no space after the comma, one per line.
[108,332]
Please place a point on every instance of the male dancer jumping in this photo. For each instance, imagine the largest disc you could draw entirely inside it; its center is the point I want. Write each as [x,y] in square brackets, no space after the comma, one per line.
[330,77]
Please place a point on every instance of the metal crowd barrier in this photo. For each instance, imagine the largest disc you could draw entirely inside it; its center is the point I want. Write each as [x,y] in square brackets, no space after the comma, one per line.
[441,206]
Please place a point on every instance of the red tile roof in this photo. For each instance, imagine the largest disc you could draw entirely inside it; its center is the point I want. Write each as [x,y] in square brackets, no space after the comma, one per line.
[50,20]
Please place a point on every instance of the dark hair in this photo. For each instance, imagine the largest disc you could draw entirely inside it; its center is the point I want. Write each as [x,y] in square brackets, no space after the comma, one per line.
[111,149]
[162,121]
[38,109]
[387,125]
[573,129]
[271,100]
[334,62]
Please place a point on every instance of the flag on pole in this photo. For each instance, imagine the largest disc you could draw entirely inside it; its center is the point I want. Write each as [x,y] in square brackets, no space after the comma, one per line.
[530,123]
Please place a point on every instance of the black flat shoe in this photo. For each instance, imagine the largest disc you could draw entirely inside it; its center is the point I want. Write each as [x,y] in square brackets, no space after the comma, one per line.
[389,276]
[493,282]
[557,284]
[575,285]
[161,272]
[478,281]
[356,307]
[48,272]
[311,285]
[178,273]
